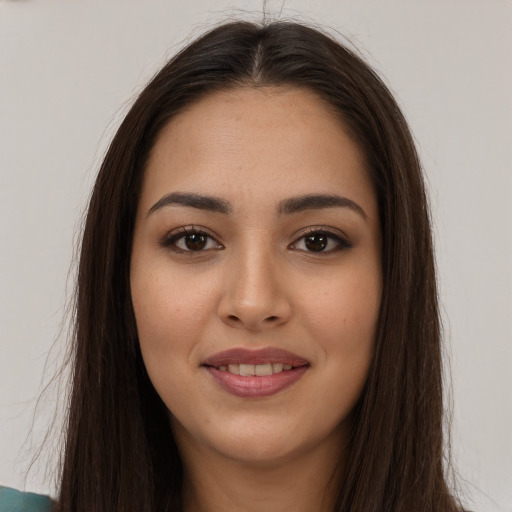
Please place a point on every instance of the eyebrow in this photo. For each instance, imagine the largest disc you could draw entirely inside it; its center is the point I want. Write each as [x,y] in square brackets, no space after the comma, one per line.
[212,204]
[318,202]
[285,207]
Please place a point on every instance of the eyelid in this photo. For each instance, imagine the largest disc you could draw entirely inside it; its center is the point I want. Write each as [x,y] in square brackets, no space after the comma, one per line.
[171,237]
[334,233]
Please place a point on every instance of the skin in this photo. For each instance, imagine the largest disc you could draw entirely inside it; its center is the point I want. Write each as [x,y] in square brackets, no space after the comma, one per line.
[257,284]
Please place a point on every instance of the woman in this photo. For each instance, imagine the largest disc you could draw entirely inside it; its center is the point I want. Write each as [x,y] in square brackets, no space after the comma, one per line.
[256,320]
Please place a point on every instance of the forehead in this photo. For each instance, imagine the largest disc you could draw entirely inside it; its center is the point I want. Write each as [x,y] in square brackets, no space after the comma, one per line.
[270,141]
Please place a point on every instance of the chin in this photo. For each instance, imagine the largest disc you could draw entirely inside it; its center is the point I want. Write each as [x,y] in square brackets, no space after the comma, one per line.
[260,452]
[250,440]
[270,442]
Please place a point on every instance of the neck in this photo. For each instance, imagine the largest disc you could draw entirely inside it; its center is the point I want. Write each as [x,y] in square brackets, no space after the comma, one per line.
[307,482]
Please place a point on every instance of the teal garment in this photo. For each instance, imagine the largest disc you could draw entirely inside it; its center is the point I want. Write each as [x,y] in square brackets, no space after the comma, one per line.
[12,500]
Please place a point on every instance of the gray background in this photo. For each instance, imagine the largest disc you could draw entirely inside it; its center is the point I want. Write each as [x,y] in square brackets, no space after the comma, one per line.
[69,70]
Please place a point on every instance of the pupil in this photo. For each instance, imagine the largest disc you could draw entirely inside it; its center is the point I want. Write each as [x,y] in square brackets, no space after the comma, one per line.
[195,241]
[316,243]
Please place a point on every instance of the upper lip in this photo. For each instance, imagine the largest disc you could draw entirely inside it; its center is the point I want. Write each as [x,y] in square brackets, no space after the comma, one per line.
[254,356]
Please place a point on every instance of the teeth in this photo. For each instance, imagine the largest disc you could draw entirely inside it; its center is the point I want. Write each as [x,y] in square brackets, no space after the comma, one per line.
[260,370]
[246,369]
[277,367]
[263,369]
[234,368]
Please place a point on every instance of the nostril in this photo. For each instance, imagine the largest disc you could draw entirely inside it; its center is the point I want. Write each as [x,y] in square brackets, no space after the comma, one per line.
[271,319]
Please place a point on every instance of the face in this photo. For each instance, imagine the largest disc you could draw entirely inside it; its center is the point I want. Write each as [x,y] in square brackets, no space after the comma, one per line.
[255,274]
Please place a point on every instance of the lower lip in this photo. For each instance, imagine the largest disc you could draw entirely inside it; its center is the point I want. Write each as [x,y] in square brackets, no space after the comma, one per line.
[256,386]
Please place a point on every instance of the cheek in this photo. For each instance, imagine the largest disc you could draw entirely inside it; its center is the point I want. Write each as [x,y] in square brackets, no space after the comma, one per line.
[344,321]
[347,309]
[170,316]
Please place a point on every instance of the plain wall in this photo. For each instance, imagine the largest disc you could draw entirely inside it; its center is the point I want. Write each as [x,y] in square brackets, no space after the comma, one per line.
[69,69]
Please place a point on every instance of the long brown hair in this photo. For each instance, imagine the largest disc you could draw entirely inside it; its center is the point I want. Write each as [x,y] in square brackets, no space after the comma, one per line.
[119,452]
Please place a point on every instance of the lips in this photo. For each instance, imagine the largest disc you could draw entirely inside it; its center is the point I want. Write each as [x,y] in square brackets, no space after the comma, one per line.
[255,373]
[260,356]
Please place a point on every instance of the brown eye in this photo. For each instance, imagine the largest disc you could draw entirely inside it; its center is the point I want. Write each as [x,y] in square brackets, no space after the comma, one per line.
[195,241]
[190,239]
[320,241]
[316,242]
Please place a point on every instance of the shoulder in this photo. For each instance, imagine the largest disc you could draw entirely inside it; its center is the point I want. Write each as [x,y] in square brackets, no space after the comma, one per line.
[12,500]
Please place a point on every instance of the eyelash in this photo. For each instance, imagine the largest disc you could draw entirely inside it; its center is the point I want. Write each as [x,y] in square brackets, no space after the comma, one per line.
[340,241]
[181,233]
[171,241]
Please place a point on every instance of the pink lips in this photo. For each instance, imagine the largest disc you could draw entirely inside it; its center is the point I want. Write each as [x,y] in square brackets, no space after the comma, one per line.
[254,386]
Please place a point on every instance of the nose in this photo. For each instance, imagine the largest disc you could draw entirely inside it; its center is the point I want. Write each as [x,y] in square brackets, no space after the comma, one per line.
[254,292]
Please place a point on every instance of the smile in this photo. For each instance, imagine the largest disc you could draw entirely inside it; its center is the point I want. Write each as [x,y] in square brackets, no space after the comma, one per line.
[255,373]
[255,369]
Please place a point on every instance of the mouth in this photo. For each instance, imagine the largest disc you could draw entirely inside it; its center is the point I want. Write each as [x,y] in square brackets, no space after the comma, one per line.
[255,373]
[259,370]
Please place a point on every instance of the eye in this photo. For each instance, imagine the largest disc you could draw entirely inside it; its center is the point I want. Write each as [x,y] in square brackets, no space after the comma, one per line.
[320,241]
[188,239]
